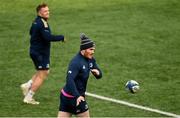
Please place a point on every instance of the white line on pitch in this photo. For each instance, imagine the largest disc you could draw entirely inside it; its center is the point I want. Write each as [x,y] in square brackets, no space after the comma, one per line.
[132,105]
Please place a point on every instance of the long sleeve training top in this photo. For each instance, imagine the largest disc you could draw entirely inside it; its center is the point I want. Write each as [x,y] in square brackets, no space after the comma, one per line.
[78,74]
[41,37]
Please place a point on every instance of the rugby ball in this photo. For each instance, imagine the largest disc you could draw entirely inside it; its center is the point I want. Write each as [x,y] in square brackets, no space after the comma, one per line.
[132,86]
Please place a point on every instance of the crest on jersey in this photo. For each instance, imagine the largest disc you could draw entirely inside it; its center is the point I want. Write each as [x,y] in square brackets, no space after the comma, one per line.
[90,65]
[84,67]
[69,71]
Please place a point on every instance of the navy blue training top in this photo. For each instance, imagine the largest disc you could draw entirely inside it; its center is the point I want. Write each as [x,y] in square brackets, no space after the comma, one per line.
[41,37]
[78,74]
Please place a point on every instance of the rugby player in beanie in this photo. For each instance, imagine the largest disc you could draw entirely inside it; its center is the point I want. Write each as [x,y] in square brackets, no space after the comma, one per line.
[72,95]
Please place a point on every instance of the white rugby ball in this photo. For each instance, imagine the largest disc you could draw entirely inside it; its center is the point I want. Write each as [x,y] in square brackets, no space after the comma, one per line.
[132,86]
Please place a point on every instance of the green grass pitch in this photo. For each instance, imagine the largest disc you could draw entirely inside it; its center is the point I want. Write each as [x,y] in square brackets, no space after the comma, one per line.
[136,39]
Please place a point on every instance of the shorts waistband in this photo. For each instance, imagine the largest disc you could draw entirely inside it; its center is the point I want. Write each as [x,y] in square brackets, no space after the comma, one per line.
[66,94]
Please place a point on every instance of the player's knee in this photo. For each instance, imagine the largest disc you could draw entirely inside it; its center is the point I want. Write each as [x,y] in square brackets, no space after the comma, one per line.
[43,73]
[46,72]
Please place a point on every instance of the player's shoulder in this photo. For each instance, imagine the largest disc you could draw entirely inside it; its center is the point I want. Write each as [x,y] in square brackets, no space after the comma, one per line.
[76,60]
[39,21]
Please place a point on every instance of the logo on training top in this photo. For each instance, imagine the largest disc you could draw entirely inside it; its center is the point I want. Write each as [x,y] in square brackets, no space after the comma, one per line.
[69,71]
[90,65]
[84,67]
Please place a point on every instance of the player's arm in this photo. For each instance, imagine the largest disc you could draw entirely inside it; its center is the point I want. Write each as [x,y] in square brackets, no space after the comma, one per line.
[70,82]
[46,33]
[72,72]
[49,37]
[95,70]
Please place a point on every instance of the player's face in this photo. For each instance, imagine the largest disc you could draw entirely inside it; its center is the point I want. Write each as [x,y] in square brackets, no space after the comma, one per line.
[44,12]
[88,53]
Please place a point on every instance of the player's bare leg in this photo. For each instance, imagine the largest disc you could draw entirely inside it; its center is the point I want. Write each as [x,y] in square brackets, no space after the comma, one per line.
[62,114]
[26,86]
[41,75]
[84,114]
[37,82]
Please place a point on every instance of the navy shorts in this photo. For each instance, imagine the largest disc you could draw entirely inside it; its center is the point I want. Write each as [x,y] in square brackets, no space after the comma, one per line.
[41,62]
[69,105]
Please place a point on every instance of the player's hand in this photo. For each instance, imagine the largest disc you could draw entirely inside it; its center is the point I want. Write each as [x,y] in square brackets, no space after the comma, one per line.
[79,99]
[95,72]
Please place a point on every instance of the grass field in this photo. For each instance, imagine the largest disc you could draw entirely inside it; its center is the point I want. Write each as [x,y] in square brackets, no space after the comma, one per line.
[136,39]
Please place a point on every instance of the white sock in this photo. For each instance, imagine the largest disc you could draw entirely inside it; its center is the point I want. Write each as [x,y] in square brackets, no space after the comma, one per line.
[29,83]
[29,95]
